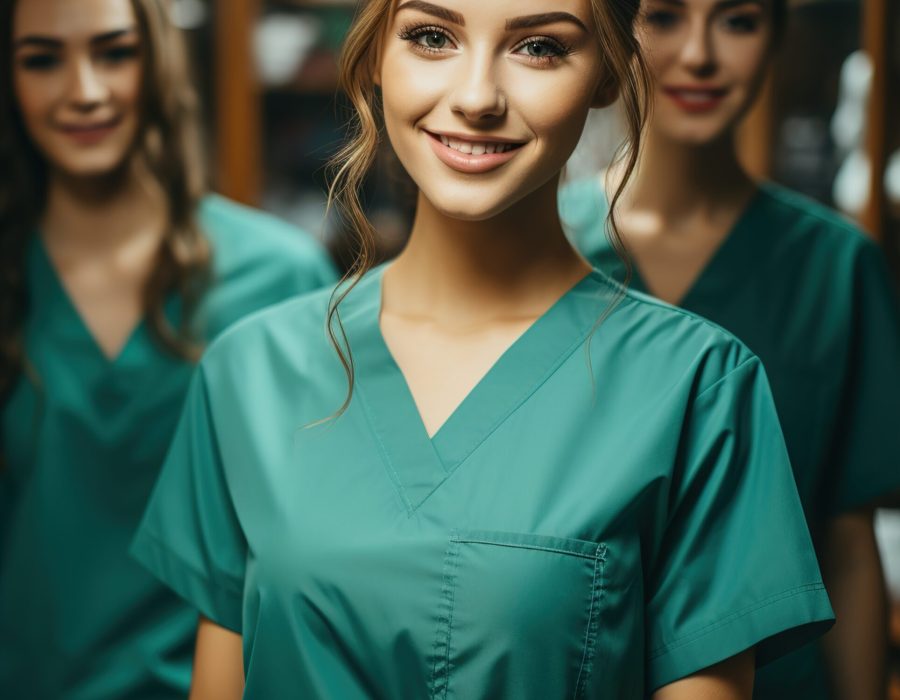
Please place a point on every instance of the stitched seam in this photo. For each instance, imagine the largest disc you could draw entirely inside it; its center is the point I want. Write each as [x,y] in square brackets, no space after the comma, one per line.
[516,405]
[703,631]
[526,545]
[232,587]
[590,637]
[731,373]
[440,672]
[385,455]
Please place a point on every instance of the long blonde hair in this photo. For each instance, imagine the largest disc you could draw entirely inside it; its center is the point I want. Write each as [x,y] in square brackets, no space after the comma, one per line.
[166,148]
[615,21]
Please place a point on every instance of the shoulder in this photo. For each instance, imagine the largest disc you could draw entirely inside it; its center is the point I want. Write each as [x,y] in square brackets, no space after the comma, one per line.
[666,345]
[804,225]
[244,239]
[291,328]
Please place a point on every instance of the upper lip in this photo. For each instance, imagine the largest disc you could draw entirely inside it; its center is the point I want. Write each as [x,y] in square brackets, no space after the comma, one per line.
[474,138]
[90,126]
[696,88]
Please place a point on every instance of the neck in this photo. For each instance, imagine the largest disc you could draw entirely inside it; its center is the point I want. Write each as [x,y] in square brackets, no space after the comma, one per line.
[513,264]
[90,214]
[674,179]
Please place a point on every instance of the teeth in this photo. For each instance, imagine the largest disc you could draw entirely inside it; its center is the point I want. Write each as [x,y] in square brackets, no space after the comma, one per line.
[475,149]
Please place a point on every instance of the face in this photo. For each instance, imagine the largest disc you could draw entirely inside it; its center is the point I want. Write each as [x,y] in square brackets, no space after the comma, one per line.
[77,68]
[485,101]
[709,59]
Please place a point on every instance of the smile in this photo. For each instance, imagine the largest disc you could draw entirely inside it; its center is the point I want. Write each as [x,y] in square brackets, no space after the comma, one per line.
[472,155]
[89,134]
[695,99]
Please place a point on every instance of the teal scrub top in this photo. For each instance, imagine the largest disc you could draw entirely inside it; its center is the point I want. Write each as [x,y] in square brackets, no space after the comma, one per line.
[596,519]
[79,619]
[812,297]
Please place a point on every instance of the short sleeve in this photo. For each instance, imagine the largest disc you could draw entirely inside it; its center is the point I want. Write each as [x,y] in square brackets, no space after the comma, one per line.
[190,537]
[736,568]
[865,451]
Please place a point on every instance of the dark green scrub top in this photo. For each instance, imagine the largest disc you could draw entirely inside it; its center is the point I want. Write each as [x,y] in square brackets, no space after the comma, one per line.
[594,520]
[79,619]
[810,295]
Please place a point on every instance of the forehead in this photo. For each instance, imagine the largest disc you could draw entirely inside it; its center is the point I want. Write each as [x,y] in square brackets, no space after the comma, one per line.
[71,18]
[498,11]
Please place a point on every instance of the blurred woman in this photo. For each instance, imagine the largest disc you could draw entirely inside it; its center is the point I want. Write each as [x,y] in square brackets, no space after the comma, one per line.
[807,292]
[115,269]
[539,486]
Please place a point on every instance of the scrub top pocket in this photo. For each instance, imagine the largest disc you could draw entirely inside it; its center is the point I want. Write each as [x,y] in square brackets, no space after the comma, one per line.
[518,616]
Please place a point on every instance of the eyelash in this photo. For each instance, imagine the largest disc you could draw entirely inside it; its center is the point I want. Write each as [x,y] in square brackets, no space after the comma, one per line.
[737,24]
[48,61]
[413,33]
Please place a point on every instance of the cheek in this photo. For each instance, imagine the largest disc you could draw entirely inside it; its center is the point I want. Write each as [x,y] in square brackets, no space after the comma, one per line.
[748,61]
[411,86]
[555,104]
[127,85]
[35,96]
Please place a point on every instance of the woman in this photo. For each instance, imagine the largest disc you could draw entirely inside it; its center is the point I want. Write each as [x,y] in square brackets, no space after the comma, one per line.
[508,504]
[115,271]
[807,292]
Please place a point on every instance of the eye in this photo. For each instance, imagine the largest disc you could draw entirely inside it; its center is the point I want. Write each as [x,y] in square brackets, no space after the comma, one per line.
[661,19]
[541,49]
[40,61]
[119,54]
[428,39]
[741,24]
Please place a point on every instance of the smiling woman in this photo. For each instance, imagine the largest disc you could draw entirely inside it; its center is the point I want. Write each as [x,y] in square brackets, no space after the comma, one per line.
[538,485]
[115,270]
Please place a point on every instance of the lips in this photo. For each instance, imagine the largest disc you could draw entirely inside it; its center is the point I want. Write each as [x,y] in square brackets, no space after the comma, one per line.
[696,98]
[90,133]
[472,155]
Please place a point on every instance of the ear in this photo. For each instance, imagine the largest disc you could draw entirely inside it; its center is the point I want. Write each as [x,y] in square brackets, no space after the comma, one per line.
[606,93]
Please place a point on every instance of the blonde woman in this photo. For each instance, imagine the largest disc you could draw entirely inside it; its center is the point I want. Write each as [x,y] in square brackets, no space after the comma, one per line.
[536,485]
[115,269]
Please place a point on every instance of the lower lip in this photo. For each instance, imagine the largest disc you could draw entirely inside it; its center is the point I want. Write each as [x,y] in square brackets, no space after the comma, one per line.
[695,105]
[468,163]
[89,137]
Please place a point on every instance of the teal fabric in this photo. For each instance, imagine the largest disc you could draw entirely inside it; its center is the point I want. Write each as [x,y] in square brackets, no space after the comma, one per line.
[596,519]
[811,296]
[79,619]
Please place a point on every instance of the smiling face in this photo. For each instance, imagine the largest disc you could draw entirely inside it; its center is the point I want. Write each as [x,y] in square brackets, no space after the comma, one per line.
[77,71]
[484,102]
[709,59]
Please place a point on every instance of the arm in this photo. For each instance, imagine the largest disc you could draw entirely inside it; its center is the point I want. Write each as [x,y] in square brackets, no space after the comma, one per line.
[731,679]
[857,645]
[218,664]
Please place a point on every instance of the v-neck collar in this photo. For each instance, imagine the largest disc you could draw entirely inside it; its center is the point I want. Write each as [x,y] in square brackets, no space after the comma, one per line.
[722,272]
[48,292]
[418,464]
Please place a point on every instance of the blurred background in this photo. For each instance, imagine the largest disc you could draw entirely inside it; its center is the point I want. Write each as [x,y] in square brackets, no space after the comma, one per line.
[827,124]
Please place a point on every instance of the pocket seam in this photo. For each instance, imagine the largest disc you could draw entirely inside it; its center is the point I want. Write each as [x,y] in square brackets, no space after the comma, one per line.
[598,590]
[441,666]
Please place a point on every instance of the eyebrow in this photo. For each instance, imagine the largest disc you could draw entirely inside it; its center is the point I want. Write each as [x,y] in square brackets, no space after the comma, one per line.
[49,42]
[722,5]
[526,22]
[434,11]
[529,21]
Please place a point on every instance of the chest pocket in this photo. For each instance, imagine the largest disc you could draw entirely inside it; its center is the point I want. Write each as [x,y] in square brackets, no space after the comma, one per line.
[518,617]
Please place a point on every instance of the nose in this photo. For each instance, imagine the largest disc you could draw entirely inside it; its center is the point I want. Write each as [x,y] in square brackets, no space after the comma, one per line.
[478,96]
[87,89]
[698,54]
